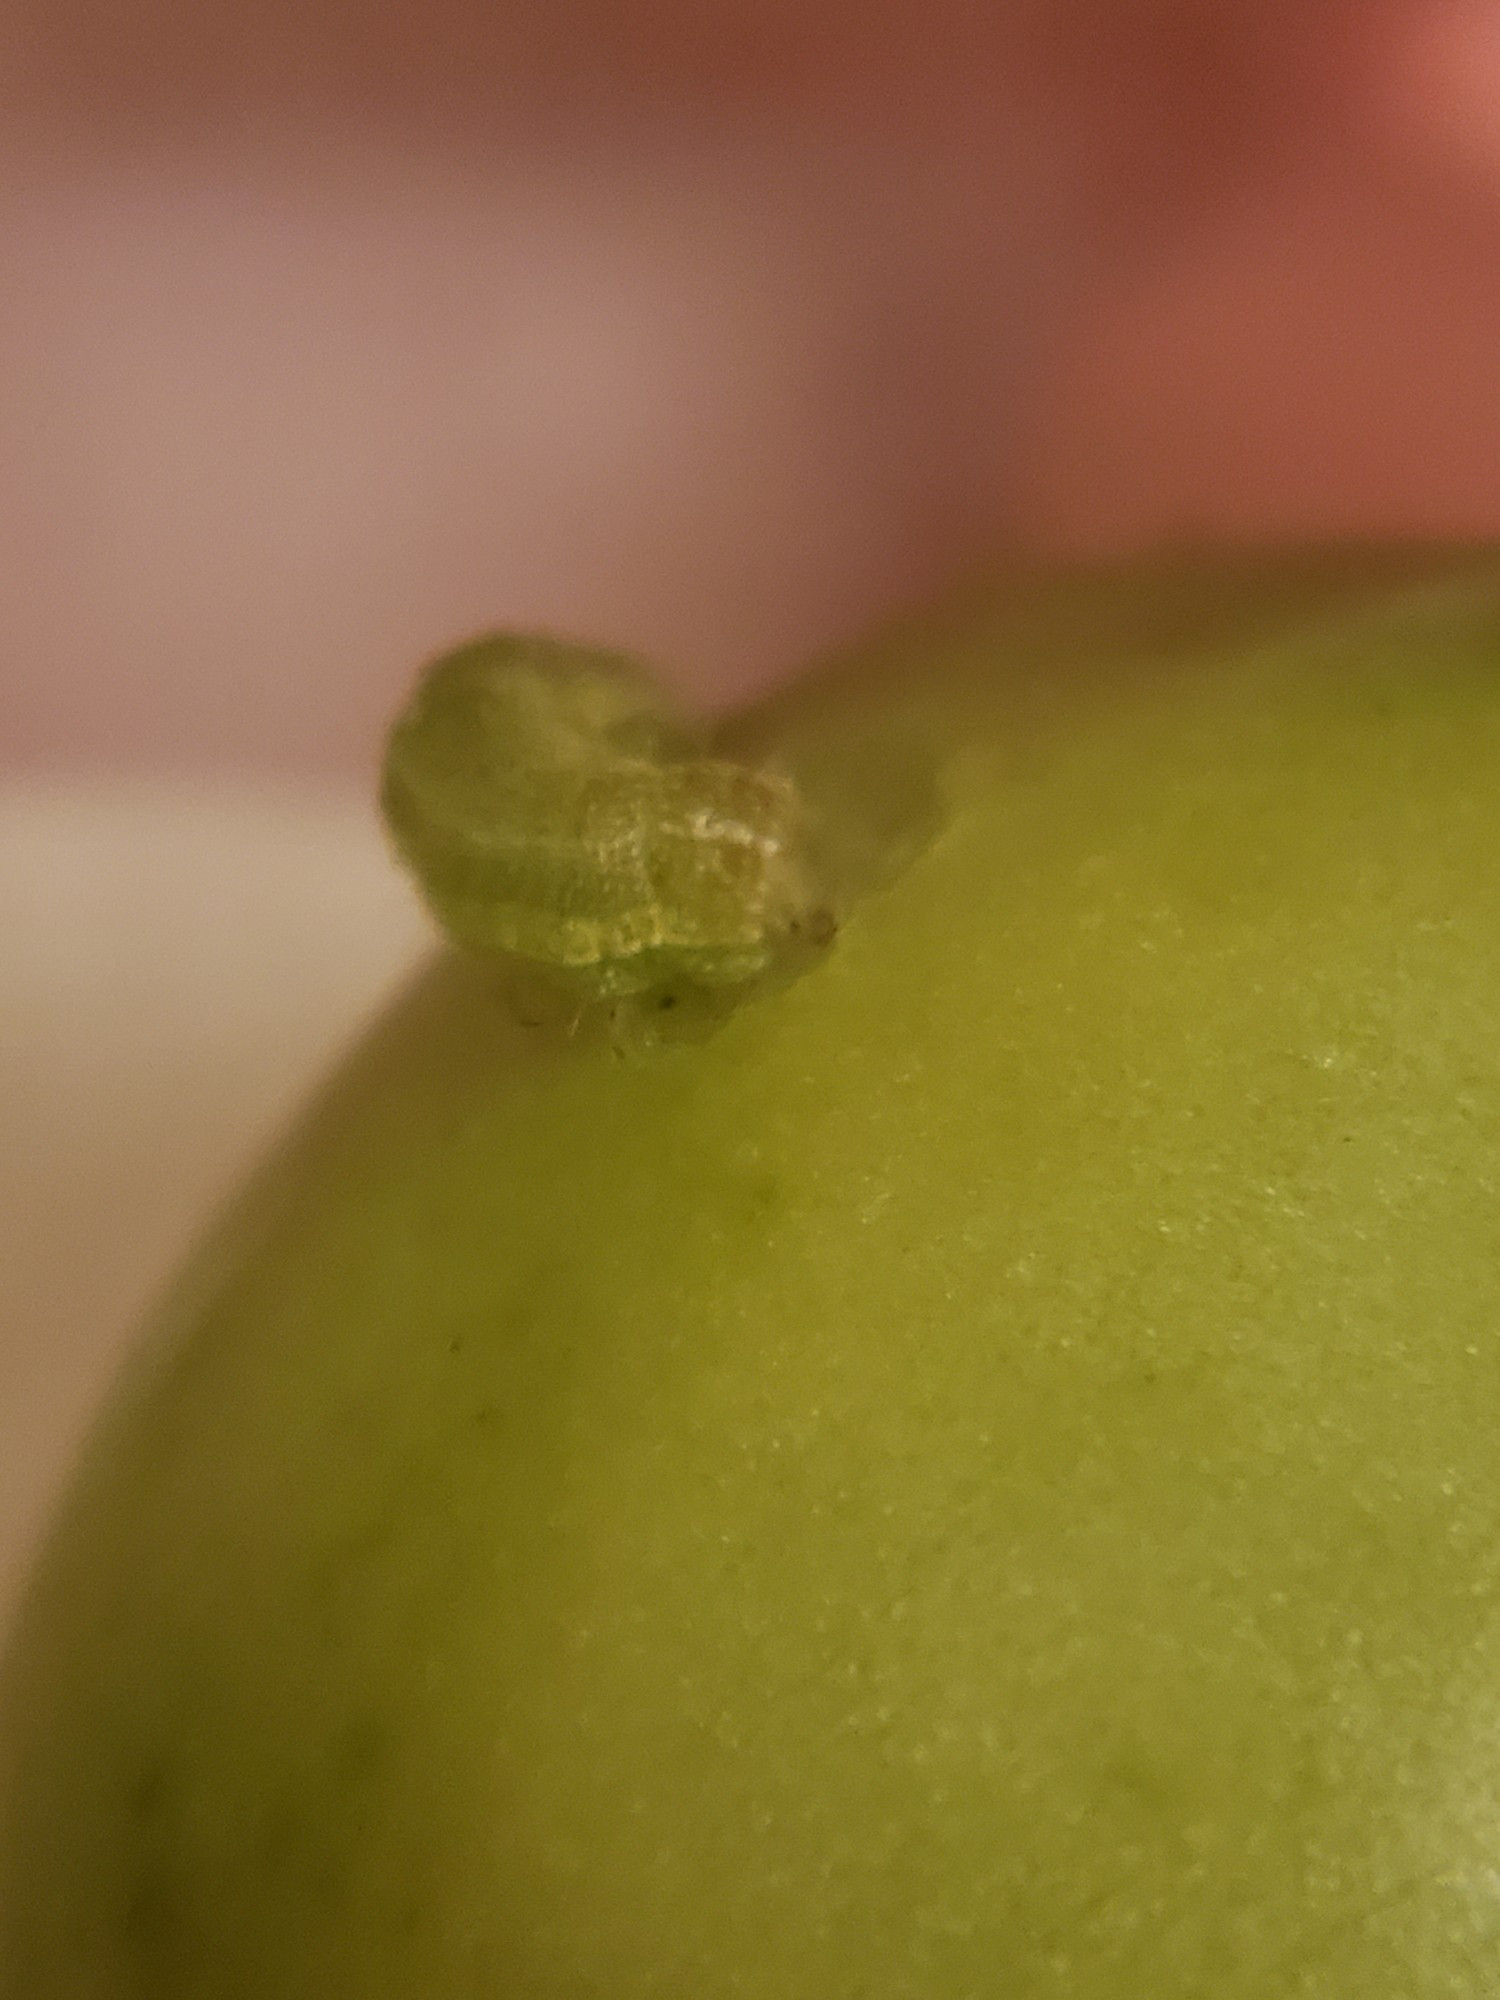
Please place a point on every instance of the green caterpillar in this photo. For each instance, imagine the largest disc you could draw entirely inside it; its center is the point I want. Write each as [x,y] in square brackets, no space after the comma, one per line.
[555,811]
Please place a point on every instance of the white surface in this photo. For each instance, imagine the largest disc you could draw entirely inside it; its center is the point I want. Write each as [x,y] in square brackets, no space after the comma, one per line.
[177,966]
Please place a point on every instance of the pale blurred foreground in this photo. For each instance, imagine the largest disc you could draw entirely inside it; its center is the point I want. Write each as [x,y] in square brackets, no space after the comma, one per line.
[179,966]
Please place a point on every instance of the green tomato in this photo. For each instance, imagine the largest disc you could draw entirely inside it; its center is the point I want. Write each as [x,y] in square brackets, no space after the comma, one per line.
[972,1476]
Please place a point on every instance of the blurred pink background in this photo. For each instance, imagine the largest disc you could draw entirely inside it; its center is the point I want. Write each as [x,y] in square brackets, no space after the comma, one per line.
[329,333]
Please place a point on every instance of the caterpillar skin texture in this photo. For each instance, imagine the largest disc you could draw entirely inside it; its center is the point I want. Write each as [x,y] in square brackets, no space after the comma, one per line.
[555,811]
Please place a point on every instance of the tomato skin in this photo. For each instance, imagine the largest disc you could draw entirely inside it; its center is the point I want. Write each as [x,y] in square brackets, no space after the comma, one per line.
[974,1477]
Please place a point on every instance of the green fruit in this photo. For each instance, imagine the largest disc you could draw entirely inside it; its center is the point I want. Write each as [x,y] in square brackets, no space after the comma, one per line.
[975,1476]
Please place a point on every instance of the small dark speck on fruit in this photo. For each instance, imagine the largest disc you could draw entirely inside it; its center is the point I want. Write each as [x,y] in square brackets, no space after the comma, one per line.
[362,1748]
[764,1192]
[147,1795]
[281,1833]
[150,1909]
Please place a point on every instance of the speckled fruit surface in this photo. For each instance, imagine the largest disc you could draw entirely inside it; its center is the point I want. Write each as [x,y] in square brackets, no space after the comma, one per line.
[976,1479]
